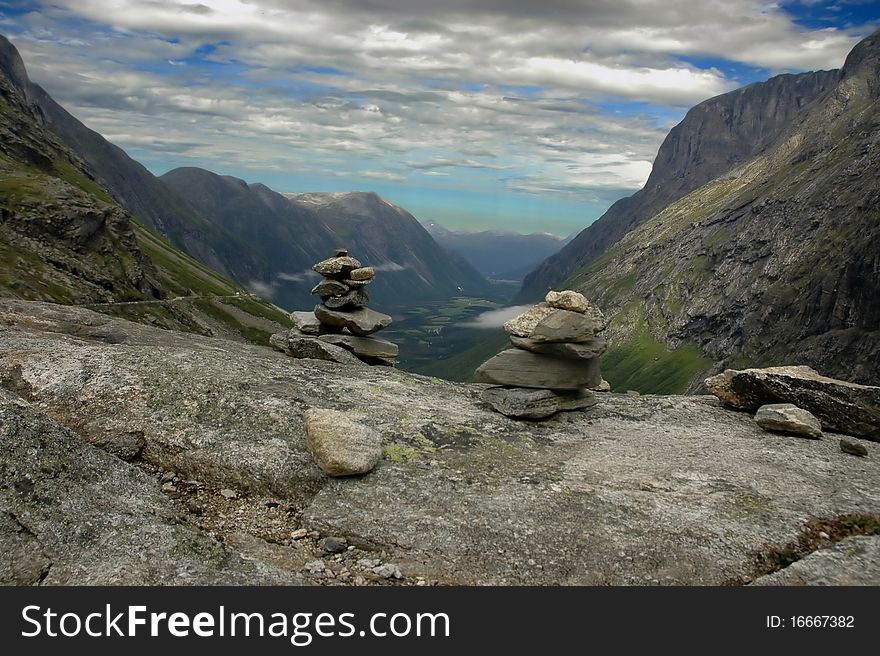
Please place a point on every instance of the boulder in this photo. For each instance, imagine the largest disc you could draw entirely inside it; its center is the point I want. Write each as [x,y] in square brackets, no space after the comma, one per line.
[356,298]
[329,287]
[306,322]
[362,274]
[567,300]
[841,406]
[524,324]
[593,348]
[520,403]
[368,346]
[337,268]
[567,326]
[518,368]
[340,446]
[789,419]
[362,321]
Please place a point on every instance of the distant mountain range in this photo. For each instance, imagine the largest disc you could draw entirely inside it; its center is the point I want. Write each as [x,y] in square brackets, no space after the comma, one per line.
[756,241]
[63,237]
[495,254]
[256,236]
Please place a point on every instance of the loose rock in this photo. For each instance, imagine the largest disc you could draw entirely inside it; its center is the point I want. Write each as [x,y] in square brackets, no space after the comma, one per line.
[567,300]
[334,545]
[306,322]
[853,448]
[789,419]
[517,368]
[328,287]
[340,446]
[521,403]
[524,324]
[367,346]
[566,326]
[588,350]
[356,298]
[361,322]
[337,268]
[362,274]
[387,571]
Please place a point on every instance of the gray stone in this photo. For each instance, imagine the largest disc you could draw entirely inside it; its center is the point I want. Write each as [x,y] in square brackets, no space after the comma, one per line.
[340,252]
[369,346]
[603,386]
[523,324]
[337,268]
[126,445]
[789,419]
[360,322]
[306,322]
[317,349]
[226,493]
[356,298]
[364,273]
[340,446]
[853,448]
[388,571]
[329,287]
[593,348]
[567,326]
[567,300]
[519,403]
[855,560]
[22,559]
[334,545]
[354,284]
[518,368]
[841,406]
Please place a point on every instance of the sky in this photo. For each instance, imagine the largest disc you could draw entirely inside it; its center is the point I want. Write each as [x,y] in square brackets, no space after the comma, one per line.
[518,115]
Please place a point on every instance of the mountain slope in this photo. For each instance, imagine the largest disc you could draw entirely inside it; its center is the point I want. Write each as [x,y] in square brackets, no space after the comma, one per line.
[64,239]
[499,255]
[292,232]
[131,185]
[776,262]
[714,137]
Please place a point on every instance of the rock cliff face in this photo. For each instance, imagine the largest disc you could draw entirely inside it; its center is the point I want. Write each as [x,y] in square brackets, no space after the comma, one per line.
[776,262]
[669,490]
[714,137]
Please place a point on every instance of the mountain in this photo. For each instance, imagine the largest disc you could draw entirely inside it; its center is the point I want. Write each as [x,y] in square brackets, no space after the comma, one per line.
[129,183]
[714,137]
[775,262]
[63,238]
[292,232]
[496,254]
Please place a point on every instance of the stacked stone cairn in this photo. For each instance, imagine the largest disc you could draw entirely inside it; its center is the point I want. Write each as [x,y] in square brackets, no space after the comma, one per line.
[553,364]
[341,327]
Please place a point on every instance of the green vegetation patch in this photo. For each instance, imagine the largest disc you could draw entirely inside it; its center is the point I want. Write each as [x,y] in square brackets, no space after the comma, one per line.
[645,365]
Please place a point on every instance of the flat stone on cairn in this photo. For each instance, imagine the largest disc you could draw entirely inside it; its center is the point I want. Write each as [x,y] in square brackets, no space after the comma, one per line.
[554,361]
[339,328]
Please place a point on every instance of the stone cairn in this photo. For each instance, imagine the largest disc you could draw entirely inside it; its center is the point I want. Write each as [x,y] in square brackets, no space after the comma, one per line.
[554,362]
[338,330]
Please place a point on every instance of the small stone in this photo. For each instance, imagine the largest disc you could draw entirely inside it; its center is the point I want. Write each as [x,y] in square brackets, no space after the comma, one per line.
[337,267]
[360,322]
[567,300]
[299,534]
[387,571]
[341,446]
[524,324]
[228,494]
[334,545]
[354,284]
[356,298]
[168,487]
[195,509]
[340,252]
[167,476]
[306,322]
[603,386]
[330,288]
[364,273]
[368,346]
[315,567]
[789,419]
[853,448]
[272,504]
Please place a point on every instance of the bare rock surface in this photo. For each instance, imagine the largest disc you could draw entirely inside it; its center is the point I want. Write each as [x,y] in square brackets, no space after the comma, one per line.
[634,490]
[841,406]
